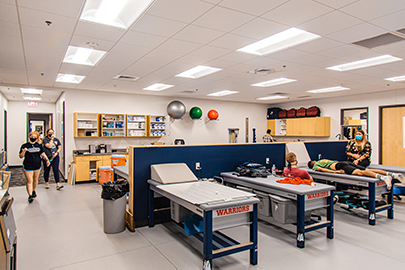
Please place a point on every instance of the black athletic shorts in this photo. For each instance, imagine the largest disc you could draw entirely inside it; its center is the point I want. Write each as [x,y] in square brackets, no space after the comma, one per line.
[348,167]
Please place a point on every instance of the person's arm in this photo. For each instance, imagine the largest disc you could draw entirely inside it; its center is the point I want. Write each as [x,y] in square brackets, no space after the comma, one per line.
[48,142]
[58,151]
[43,156]
[327,170]
[22,152]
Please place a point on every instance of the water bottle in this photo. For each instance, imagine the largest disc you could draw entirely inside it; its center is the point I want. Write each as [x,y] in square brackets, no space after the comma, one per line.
[273,170]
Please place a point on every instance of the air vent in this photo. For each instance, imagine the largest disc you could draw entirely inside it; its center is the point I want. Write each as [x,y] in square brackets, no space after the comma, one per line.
[126,78]
[380,40]
[304,96]
[262,71]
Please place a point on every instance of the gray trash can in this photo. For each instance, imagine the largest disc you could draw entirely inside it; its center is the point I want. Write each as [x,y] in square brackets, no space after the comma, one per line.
[114,205]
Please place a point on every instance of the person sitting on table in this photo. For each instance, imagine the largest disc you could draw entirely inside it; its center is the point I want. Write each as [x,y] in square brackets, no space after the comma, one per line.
[267,137]
[358,150]
[292,171]
[332,166]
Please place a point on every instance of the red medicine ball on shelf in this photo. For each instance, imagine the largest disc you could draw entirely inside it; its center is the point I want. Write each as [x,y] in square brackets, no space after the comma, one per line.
[213,115]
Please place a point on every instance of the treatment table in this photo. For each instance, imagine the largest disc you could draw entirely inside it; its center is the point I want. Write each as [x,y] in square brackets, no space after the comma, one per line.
[307,198]
[220,207]
[120,171]
[374,186]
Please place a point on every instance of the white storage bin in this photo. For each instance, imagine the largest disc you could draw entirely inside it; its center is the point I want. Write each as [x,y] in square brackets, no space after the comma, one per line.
[285,210]
[264,204]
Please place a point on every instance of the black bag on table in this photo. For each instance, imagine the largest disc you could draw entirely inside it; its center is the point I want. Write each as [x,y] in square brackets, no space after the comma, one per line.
[252,169]
[272,113]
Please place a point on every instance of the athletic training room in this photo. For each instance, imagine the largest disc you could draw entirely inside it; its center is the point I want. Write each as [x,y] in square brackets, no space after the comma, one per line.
[202,134]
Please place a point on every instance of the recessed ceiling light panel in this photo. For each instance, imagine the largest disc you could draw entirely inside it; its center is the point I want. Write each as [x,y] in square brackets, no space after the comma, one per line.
[158,87]
[330,89]
[70,78]
[280,41]
[369,62]
[396,79]
[273,82]
[31,91]
[32,98]
[198,71]
[222,93]
[272,97]
[83,56]
[117,13]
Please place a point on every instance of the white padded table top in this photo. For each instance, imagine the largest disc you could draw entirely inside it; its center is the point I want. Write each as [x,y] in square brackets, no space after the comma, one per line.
[336,176]
[388,168]
[203,192]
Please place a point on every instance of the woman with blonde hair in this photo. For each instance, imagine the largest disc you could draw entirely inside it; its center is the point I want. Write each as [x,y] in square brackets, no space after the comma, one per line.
[32,152]
[358,150]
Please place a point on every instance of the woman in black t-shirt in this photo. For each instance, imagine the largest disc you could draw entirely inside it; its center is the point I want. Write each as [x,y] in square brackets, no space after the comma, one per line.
[32,152]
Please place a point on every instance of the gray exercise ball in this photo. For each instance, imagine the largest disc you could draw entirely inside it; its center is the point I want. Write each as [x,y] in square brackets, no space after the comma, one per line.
[176,109]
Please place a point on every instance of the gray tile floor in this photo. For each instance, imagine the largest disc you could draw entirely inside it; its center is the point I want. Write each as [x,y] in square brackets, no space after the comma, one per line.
[63,230]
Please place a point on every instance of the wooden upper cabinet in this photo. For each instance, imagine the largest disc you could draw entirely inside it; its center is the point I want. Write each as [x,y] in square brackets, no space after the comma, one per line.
[310,127]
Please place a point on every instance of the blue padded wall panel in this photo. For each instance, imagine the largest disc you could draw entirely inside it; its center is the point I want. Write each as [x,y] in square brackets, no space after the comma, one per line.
[328,150]
[214,159]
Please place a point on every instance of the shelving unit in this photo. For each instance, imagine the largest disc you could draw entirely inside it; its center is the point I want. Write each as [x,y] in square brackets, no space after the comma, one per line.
[86,125]
[156,125]
[136,125]
[112,125]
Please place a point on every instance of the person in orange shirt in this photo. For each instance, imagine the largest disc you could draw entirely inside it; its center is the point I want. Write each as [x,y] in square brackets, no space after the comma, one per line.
[292,171]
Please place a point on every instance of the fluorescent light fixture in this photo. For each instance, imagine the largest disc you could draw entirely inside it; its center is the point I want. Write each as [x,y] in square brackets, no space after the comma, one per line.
[158,87]
[32,98]
[69,78]
[198,71]
[117,13]
[280,41]
[83,56]
[31,91]
[272,97]
[369,62]
[273,82]
[330,89]
[396,79]
[222,93]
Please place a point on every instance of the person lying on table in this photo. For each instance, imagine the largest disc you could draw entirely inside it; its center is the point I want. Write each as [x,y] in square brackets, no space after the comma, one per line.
[292,171]
[333,166]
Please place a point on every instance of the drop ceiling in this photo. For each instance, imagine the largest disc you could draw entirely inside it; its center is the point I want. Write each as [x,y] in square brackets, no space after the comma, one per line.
[176,35]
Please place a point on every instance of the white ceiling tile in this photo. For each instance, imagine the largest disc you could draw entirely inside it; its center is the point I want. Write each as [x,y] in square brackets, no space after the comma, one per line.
[132,51]
[211,52]
[198,34]
[40,55]
[341,51]
[265,62]
[296,12]
[238,57]
[11,55]
[310,58]
[9,29]
[356,33]
[88,84]
[219,63]
[397,67]
[231,41]
[68,68]
[180,46]
[46,36]
[10,2]
[158,26]
[194,60]
[65,85]
[35,18]
[116,62]
[13,76]
[8,13]
[257,8]
[336,4]
[223,19]
[142,39]
[318,45]
[288,54]
[164,56]
[365,10]
[114,85]
[259,28]
[329,23]
[98,31]
[179,10]
[392,21]
[69,8]
[41,81]
[84,41]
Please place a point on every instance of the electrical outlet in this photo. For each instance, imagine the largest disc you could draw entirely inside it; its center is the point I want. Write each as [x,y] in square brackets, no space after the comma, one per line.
[197,166]
[267,161]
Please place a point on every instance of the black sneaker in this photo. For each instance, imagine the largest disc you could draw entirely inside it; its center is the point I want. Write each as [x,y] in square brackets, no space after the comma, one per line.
[30,198]
[34,194]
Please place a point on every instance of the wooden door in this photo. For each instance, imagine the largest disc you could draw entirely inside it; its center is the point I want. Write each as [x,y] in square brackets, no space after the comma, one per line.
[82,171]
[393,151]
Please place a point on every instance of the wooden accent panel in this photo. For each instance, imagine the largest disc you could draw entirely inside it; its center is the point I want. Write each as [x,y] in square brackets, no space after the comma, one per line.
[393,152]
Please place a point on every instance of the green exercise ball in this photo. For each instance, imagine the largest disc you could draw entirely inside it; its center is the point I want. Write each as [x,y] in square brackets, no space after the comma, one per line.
[195,113]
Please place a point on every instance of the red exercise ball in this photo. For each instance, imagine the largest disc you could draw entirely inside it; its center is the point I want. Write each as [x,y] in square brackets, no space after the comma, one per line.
[213,115]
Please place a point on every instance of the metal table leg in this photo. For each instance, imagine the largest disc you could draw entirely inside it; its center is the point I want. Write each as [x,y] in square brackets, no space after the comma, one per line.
[371,204]
[390,199]
[207,241]
[300,221]
[329,216]
[151,208]
[253,235]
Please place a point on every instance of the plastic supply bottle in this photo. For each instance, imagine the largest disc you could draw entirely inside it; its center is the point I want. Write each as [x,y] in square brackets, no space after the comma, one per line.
[273,170]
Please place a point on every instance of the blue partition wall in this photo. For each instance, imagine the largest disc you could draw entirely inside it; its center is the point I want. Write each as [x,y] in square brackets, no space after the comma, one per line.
[214,159]
[333,150]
